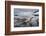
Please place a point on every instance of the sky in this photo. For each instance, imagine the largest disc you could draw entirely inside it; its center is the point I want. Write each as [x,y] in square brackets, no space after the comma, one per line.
[26,12]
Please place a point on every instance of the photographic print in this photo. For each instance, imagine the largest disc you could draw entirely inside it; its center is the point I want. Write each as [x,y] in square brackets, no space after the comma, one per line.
[26,17]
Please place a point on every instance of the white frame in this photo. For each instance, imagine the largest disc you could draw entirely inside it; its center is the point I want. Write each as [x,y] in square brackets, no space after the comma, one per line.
[25,28]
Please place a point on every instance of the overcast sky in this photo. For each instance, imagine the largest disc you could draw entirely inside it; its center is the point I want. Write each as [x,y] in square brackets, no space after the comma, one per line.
[25,12]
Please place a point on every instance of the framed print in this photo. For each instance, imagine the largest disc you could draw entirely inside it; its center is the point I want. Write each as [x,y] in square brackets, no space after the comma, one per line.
[24,17]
